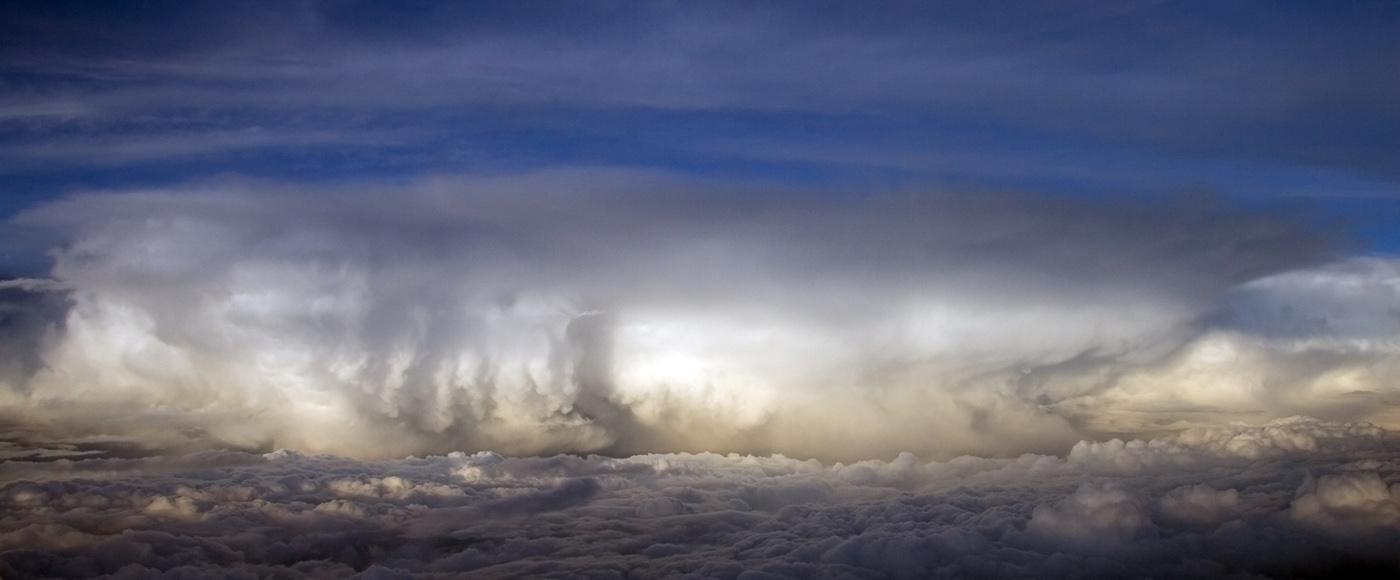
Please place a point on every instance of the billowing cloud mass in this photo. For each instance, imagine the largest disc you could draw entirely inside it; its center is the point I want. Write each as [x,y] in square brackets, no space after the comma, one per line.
[594,311]
[1292,498]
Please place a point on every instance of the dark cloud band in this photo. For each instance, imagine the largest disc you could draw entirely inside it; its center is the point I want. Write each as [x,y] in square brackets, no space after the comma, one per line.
[1296,497]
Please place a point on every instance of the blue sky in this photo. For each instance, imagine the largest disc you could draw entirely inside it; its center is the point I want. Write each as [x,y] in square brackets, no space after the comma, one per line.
[1268,104]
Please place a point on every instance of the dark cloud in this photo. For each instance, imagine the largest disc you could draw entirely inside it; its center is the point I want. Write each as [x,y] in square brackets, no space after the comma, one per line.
[570,493]
[1304,498]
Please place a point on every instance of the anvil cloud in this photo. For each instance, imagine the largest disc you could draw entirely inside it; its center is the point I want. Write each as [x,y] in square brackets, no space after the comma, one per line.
[638,313]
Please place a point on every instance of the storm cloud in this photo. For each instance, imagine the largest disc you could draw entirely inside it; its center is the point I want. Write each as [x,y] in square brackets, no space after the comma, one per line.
[617,312]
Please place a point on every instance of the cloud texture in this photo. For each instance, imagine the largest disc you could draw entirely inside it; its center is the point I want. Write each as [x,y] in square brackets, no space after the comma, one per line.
[617,312]
[1291,498]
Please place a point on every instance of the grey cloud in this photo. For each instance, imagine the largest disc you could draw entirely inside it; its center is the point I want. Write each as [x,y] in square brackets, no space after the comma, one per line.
[1213,513]
[570,493]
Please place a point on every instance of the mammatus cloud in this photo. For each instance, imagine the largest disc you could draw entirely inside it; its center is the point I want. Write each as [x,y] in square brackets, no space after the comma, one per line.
[595,311]
[1292,498]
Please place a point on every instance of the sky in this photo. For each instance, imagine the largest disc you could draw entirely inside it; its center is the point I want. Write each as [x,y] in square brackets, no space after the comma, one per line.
[974,289]
[1293,104]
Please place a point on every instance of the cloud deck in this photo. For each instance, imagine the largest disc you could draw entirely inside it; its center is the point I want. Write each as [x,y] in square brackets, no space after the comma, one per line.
[1295,497]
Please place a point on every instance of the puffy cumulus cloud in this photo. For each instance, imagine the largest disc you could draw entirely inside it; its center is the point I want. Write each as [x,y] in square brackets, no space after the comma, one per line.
[624,312]
[1352,501]
[1201,505]
[1093,517]
[1202,508]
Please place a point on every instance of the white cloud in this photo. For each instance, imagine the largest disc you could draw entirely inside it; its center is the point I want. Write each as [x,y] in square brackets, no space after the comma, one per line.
[592,310]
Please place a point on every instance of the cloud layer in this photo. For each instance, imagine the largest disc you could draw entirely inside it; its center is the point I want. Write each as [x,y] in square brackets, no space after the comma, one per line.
[1292,498]
[617,312]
